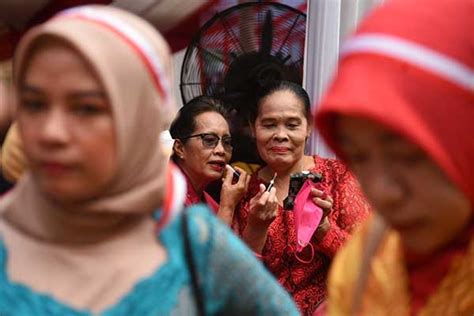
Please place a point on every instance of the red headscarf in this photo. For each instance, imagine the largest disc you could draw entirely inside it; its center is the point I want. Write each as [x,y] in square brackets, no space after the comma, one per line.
[410,67]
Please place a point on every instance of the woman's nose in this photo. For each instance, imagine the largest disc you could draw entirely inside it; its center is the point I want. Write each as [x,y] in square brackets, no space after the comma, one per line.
[219,149]
[383,189]
[280,134]
[54,127]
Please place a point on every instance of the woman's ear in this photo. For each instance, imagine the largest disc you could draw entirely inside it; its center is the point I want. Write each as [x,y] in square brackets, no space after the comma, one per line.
[252,130]
[178,148]
[309,130]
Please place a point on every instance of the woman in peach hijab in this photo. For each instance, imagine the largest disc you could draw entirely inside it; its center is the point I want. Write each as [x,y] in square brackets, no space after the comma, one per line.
[78,232]
[401,114]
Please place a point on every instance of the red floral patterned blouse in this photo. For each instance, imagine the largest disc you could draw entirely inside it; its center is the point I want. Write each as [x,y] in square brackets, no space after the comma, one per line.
[306,282]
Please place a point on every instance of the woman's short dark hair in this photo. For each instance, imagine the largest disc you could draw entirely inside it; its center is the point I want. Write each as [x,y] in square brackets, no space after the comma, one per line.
[297,90]
[184,124]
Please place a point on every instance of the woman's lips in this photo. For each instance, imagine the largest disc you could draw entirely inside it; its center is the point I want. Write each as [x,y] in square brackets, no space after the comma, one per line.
[217,166]
[406,226]
[278,149]
[54,168]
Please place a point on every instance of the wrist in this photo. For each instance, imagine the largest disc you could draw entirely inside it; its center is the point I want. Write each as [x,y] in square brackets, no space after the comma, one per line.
[226,209]
[258,225]
[226,214]
[255,238]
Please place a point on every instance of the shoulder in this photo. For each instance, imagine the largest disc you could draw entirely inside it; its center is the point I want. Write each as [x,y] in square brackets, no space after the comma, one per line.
[334,172]
[198,217]
[329,165]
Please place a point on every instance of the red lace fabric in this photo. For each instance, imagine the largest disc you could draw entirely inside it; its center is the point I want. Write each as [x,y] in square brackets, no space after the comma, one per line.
[307,282]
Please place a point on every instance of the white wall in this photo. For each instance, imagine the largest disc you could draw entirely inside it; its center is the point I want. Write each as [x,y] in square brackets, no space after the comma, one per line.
[178,61]
[329,22]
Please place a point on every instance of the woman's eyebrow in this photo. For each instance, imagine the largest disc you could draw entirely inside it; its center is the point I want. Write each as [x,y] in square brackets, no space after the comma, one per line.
[391,139]
[27,88]
[87,94]
[30,89]
[294,118]
[267,119]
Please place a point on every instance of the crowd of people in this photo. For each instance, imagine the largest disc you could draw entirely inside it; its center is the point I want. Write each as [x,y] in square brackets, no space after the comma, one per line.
[101,220]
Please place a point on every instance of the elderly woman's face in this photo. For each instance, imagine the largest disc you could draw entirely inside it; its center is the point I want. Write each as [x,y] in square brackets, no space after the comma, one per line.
[404,185]
[281,129]
[67,126]
[204,164]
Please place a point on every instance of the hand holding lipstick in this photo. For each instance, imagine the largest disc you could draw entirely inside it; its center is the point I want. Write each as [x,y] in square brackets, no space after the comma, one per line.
[234,186]
[263,210]
[264,205]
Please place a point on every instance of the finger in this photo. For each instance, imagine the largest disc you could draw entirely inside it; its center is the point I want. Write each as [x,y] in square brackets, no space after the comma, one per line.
[271,205]
[272,194]
[259,194]
[243,176]
[240,170]
[324,224]
[264,198]
[247,181]
[273,209]
[318,193]
[324,204]
[228,174]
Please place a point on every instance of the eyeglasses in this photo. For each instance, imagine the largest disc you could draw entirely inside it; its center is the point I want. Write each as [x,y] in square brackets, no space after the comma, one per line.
[210,140]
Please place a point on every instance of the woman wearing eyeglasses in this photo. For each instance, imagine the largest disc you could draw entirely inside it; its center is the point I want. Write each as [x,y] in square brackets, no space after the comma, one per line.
[202,149]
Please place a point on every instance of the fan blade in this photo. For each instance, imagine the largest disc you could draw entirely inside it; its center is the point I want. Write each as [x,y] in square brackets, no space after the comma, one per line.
[288,35]
[267,35]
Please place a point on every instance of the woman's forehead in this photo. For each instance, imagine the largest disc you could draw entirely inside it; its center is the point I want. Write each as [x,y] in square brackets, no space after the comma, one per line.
[281,100]
[353,130]
[210,119]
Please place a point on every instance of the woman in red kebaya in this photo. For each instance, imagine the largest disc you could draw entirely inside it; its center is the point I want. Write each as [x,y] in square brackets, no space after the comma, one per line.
[281,125]
[202,149]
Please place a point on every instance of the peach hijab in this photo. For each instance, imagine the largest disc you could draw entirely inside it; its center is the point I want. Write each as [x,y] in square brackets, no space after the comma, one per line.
[133,63]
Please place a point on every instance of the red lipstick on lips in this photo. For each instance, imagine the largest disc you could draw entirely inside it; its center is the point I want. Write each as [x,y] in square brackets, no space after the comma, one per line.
[54,168]
[217,166]
[279,149]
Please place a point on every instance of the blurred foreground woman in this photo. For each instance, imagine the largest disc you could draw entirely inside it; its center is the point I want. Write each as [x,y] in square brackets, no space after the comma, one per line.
[401,114]
[78,232]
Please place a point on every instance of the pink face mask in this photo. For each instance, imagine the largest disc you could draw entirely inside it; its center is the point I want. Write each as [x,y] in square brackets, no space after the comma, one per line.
[307,216]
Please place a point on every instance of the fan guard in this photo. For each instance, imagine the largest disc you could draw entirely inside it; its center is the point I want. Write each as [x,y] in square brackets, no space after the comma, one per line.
[241,49]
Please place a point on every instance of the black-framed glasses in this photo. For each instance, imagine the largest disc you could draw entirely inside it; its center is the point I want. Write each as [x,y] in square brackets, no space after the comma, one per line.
[210,140]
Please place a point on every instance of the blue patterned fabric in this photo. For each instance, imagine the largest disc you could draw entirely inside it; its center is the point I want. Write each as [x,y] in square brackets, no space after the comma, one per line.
[234,281]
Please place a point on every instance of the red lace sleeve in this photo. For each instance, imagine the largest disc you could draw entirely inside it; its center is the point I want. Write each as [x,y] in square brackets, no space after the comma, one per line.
[349,208]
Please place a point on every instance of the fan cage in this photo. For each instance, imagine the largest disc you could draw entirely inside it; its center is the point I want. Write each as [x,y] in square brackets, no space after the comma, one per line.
[234,34]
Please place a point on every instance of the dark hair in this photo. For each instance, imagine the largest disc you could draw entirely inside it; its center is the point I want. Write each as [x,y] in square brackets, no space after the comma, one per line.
[297,90]
[184,124]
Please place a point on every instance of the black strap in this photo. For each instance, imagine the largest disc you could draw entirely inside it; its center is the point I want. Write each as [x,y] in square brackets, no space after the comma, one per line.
[188,254]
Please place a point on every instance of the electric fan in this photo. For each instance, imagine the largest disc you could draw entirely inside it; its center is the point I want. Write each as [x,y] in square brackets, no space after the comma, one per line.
[237,53]
[242,49]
